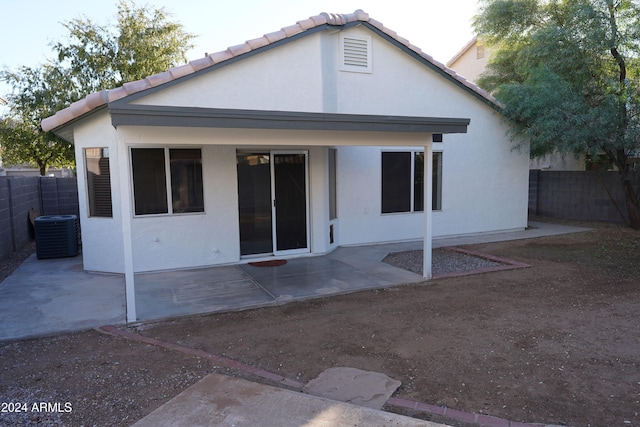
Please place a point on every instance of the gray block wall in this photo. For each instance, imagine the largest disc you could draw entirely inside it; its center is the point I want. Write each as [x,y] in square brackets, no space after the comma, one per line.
[47,196]
[18,195]
[576,195]
[59,196]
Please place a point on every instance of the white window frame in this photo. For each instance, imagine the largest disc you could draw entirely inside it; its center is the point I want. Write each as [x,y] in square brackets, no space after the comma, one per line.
[167,179]
[413,152]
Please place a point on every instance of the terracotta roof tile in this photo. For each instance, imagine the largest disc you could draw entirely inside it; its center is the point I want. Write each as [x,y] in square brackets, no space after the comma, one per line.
[292,30]
[258,43]
[97,99]
[403,41]
[276,36]
[79,108]
[239,49]
[202,63]
[220,56]
[159,79]
[136,86]
[319,20]
[181,71]
[117,93]
[306,24]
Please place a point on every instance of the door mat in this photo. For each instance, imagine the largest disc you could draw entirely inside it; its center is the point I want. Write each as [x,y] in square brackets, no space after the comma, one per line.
[270,263]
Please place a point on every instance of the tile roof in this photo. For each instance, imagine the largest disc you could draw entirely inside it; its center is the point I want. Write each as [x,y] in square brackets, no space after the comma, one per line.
[103,97]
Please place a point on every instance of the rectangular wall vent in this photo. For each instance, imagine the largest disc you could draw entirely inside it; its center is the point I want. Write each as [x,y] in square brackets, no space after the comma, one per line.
[355,53]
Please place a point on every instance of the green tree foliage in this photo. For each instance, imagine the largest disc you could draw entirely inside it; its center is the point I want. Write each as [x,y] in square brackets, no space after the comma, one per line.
[143,41]
[567,74]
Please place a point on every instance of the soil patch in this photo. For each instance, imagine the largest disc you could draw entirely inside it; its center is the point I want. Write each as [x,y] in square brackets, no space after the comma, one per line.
[555,343]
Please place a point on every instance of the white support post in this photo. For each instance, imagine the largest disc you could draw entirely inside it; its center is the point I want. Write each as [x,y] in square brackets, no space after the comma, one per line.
[125,199]
[428,204]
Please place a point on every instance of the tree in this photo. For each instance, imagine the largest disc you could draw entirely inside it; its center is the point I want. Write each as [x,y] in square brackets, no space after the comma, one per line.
[142,42]
[567,74]
[40,93]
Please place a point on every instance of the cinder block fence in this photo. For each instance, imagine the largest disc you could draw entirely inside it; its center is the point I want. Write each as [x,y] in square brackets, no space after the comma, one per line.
[577,195]
[46,195]
[572,195]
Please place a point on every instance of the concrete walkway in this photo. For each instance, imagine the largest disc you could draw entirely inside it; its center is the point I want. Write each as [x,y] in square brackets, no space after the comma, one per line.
[51,296]
[224,401]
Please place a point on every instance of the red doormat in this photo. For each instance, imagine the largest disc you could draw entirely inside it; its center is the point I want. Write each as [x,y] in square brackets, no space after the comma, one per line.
[271,263]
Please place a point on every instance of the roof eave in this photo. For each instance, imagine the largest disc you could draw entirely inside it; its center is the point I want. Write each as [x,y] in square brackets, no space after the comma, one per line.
[140,115]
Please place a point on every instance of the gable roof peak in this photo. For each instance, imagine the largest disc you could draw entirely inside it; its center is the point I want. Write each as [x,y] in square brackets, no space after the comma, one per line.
[342,18]
[103,97]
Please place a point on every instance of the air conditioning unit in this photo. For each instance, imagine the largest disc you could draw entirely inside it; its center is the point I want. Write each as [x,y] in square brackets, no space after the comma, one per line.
[56,236]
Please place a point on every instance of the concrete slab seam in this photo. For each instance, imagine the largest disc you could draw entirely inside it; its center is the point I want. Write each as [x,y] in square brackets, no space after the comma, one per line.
[469,417]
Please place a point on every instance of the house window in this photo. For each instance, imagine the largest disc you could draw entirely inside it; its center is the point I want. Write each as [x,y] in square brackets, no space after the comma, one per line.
[186,180]
[403,181]
[98,182]
[333,209]
[152,185]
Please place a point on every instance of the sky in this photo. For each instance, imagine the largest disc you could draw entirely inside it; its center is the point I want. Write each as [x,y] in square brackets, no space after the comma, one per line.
[439,27]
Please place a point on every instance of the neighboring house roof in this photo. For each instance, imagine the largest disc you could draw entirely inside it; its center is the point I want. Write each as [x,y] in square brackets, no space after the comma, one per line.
[324,20]
[462,51]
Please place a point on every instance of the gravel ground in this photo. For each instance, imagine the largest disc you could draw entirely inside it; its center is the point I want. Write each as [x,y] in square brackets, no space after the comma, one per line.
[444,261]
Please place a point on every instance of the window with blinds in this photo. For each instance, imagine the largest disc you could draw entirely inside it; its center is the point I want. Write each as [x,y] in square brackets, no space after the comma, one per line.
[98,182]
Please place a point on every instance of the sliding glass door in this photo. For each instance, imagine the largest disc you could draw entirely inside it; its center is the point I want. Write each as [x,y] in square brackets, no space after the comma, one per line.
[273,202]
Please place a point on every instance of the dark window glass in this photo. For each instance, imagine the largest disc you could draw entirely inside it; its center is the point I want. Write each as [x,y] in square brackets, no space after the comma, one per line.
[333,210]
[436,204]
[396,182]
[98,182]
[149,181]
[186,180]
[418,182]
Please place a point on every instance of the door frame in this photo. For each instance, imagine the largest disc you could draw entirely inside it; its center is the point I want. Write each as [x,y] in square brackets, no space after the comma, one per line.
[307,248]
[274,231]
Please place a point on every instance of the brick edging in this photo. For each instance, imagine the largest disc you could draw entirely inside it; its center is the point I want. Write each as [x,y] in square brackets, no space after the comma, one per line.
[225,361]
[466,417]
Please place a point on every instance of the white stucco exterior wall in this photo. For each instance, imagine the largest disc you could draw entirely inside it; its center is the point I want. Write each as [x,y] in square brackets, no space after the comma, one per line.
[484,182]
[102,239]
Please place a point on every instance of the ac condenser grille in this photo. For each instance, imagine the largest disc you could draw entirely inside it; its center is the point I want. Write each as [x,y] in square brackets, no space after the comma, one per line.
[56,236]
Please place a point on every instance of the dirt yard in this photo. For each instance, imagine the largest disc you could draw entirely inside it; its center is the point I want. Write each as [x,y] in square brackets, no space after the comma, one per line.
[555,343]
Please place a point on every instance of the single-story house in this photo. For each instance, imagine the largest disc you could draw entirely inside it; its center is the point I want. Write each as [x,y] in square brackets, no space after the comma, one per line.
[333,131]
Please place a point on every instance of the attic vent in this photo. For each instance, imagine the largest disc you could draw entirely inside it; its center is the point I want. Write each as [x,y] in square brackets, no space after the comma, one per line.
[355,54]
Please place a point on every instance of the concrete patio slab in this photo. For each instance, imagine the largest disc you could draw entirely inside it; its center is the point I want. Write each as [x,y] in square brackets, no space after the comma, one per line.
[50,296]
[223,401]
[55,295]
[351,385]
[196,291]
[312,277]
